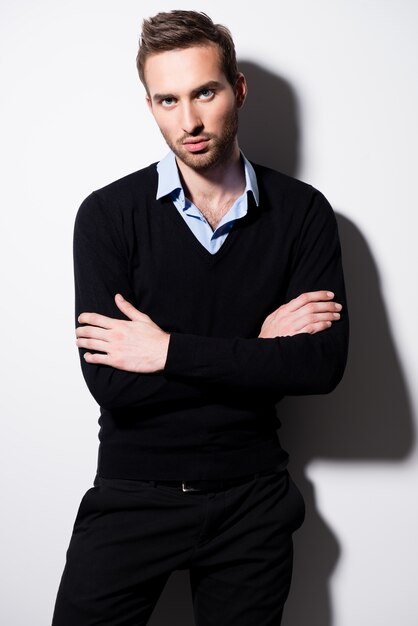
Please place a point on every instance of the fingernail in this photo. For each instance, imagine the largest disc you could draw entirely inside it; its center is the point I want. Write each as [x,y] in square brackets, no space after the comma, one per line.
[119,297]
[338,307]
[330,294]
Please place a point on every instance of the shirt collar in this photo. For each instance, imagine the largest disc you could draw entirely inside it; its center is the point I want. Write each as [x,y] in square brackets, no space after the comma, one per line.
[169,178]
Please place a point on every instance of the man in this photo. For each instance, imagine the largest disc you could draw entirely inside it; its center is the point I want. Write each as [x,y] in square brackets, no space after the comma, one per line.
[207,287]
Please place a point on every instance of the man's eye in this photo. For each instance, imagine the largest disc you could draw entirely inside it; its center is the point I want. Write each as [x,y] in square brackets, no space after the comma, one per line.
[205,94]
[167,102]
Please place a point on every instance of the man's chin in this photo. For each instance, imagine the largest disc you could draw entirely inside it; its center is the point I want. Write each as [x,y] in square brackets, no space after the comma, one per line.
[200,161]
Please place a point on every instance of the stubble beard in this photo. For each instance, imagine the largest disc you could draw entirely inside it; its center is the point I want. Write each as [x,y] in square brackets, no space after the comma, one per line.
[220,150]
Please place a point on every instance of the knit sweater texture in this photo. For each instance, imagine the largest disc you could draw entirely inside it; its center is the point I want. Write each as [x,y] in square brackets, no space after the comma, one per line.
[212,412]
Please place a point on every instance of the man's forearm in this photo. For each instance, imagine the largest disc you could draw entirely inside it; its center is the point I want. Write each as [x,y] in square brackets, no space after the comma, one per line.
[298,365]
[305,365]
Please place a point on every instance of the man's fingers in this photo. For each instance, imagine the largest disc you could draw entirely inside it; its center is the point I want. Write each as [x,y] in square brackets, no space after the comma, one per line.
[102,321]
[314,318]
[95,319]
[307,313]
[310,296]
[98,359]
[94,332]
[127,308]
[311,310]
[315,327]
[92,344]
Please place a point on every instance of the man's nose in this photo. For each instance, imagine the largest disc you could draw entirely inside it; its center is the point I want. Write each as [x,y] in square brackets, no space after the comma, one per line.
[191,122]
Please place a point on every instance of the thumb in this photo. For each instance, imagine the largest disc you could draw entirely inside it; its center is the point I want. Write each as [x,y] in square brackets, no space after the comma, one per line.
[127,308]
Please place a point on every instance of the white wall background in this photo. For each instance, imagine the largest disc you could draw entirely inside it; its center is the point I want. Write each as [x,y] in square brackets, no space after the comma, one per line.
[338,79]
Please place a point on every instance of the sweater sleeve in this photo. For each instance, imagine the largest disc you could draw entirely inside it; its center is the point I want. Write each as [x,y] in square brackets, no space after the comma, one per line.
[297,365]
[101,269]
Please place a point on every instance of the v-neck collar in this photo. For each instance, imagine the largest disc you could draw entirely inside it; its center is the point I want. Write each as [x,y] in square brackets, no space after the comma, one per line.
[169,185]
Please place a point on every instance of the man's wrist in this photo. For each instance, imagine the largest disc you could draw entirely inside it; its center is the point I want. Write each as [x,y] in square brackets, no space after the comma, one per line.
[165,342]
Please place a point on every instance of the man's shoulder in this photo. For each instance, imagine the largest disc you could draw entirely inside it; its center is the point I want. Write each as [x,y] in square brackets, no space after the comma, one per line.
[290,193]
[139,182]
[119,198]
[278,181]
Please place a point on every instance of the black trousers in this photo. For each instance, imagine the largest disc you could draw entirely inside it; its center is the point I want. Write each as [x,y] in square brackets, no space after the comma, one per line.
[130,535]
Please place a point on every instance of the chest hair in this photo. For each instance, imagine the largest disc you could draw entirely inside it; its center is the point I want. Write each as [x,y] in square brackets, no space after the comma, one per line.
[213,215]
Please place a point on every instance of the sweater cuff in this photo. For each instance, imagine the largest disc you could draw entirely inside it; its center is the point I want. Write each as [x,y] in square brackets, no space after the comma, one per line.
[202,358]
[181,354]
[223,360]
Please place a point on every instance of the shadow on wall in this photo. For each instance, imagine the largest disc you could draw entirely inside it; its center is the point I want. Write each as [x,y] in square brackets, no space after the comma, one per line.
[367,418]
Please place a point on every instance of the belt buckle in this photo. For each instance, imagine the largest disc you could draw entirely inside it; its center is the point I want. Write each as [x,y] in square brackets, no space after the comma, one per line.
[185,488]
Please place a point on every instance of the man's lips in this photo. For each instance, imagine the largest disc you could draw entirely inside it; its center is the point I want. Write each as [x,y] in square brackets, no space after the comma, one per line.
[196,144]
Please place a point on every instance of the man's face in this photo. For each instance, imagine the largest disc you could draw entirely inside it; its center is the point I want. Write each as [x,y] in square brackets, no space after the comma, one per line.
[194,105]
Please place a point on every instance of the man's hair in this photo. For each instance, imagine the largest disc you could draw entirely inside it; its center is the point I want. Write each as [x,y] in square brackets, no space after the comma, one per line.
[178,29]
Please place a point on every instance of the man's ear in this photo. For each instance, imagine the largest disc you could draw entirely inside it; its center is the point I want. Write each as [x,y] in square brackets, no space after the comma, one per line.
[241,89]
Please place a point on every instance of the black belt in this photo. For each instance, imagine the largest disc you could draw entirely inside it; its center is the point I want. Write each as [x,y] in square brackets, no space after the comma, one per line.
[210,485]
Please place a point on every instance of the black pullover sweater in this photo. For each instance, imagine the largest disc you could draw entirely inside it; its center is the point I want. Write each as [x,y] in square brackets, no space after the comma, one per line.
[212,412]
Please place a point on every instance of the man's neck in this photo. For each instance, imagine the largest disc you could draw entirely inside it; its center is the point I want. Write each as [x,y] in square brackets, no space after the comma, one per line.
[214,191]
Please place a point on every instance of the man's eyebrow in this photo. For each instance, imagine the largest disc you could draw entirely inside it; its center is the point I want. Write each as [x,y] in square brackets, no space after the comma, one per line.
[162,96]
[212,84]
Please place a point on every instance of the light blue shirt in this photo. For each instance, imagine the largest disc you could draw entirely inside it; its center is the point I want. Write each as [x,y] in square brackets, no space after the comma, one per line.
[169,184]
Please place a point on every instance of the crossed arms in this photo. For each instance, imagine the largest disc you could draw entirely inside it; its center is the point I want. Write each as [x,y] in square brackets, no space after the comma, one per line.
[301,347]
[140,345]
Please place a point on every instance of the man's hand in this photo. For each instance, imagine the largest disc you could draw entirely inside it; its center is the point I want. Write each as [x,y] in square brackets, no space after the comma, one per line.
[308,313]
[134,345]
